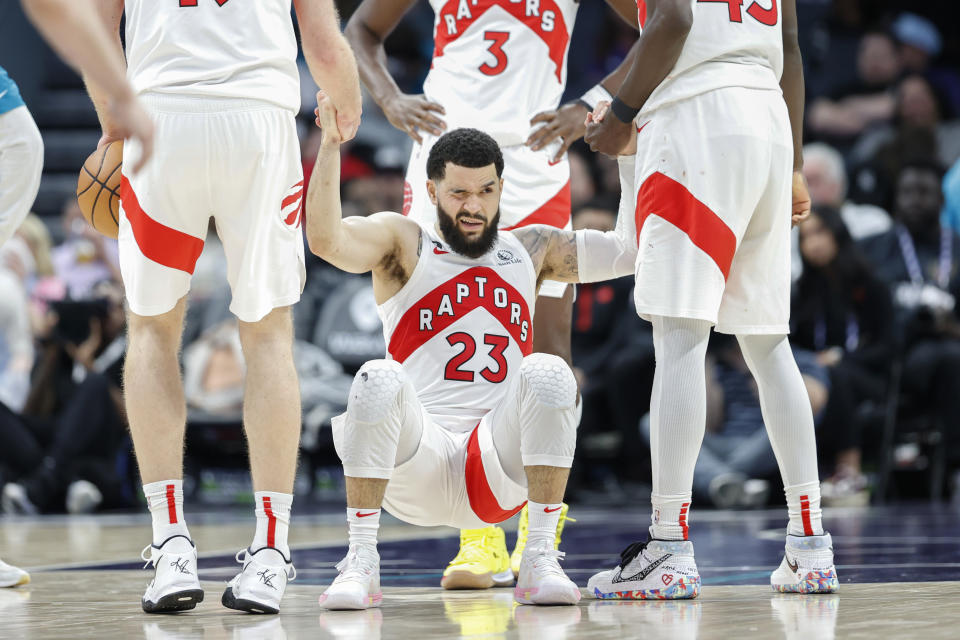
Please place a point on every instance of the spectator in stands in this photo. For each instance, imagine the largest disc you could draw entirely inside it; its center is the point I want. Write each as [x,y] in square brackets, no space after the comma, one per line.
[826,176]
[85,258]
[850,110]
[920,44]
[843,314]
[919,260]
[736,459]
[16,337]
[612,353]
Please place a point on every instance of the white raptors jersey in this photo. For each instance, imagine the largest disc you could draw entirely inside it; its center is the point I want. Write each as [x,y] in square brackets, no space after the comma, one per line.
[732,43]
[224,48]
[497,63]
[461,327]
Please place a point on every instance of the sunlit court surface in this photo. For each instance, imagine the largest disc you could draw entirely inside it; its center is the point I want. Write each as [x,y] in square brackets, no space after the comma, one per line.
[899,567]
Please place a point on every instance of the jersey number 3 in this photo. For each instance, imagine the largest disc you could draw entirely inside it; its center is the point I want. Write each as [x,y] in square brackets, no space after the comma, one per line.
[497,40]
[757,12]
[497,344]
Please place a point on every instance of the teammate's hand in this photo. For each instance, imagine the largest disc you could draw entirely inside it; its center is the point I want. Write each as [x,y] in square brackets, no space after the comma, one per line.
[327,120]
[596,119]
[130,120]
[566,123]
[801,199]
[410,114]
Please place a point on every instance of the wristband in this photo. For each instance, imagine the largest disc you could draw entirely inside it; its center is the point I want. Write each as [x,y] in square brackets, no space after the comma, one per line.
[594,96]
[623,111]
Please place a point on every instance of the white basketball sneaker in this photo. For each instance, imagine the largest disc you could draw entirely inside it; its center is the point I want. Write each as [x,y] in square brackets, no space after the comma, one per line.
[652,570]
[807,566]
[259,586]
[175,585]
[358,585]
[11,576]
[542,581]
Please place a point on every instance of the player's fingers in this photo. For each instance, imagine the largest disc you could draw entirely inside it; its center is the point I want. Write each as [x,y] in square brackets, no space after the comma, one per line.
[563,149]
[543,116]
[543,136]
[431,123]
[434,106]
[411,130]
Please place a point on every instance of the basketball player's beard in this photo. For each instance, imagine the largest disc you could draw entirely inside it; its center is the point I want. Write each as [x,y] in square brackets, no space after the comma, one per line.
[459,242]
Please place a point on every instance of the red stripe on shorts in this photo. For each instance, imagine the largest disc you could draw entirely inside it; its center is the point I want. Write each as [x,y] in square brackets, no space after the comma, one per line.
[683,520]
[171,505]
[271,521]
[481,497]
[158,242]
[805,515]
[555,212]
[670,200]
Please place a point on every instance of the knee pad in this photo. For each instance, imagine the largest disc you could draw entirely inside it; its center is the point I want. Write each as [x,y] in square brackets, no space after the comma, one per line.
[374,390]
[550,379]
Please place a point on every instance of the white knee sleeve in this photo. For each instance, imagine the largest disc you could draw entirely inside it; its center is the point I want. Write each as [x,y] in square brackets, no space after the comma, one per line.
[548,420]
[368,435]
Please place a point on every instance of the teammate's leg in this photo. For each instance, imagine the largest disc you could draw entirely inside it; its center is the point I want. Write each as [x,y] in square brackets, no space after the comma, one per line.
[21,164]
[271,420]
[807,566]
[552,325]
[381,429]
[156,412]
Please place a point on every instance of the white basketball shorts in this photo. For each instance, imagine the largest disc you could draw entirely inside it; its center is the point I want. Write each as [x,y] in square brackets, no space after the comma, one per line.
[713,211]
[534,192]
[237,161]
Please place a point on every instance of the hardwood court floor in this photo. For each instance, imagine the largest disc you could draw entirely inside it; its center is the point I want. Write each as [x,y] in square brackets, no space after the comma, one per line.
[900,572]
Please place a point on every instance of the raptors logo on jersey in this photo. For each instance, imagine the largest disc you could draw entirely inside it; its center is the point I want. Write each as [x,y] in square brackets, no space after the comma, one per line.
[461,327]
[499,62]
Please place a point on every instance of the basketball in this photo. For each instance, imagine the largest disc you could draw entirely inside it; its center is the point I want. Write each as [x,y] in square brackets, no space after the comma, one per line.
[98,188]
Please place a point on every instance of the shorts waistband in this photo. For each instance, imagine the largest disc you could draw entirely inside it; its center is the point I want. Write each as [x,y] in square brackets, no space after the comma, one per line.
[165,102]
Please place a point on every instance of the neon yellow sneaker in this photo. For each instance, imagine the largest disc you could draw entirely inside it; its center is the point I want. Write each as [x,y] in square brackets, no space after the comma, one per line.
[482,562]
[523,528]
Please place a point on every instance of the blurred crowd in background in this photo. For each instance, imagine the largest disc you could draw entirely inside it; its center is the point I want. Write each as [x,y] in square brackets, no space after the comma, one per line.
[875,323]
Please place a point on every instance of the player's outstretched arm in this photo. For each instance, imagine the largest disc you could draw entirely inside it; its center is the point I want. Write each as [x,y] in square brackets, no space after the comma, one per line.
[658,49]
[353,244]
[367,29]
[791,82]
[331,61]
[86,34]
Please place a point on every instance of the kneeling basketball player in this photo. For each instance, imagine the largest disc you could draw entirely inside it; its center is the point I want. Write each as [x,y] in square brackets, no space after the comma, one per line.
[461,423]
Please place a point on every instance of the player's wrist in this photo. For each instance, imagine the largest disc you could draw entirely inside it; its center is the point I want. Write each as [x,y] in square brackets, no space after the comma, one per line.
[597,94]
[624,112]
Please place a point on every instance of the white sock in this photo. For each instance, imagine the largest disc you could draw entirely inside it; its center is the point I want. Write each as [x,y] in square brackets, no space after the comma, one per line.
[363,524]
[789,420]
[543,521]
[803,506]
[165,501]
[273,521]
[678,416]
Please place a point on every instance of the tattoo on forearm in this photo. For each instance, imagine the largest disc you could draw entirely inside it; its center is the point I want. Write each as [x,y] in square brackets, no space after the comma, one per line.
[554,251]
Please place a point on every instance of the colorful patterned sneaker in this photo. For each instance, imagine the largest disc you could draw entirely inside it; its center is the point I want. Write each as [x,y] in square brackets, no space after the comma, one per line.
[175,585]
[481,563]
[652,570]
[542,581]
[11,576]
[358,585]
[807,566]
[523,528]
[259,586]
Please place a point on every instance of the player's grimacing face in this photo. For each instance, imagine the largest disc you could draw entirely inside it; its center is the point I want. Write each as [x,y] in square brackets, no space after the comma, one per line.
[470,198]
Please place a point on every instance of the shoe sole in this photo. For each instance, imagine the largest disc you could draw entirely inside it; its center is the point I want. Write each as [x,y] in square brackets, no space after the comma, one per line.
[343,604]
[684,589]
[533,595]
[173,602]
[241,604]
[466,580]
[815,582]
[22,580]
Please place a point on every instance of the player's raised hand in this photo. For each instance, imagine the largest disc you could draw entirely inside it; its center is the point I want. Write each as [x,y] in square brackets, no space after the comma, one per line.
[128,119]
[598,115]
[565,123]
[327,119]
[412,114]
[801,199]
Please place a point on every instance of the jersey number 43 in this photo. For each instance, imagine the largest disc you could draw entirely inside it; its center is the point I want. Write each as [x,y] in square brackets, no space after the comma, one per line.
[756,11]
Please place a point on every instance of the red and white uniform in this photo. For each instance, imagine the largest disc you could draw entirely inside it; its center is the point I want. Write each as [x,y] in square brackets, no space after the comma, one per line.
[496,64]
[713,176]
[471,401]
[220,79]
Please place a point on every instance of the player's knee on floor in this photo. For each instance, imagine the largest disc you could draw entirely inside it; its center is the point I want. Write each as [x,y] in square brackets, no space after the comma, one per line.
[374,390]
[550,380]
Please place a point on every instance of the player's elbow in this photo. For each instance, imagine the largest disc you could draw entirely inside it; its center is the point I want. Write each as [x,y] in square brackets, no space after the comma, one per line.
[323,244]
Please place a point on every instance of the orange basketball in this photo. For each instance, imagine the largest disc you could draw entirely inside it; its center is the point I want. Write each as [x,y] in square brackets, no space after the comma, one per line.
[98,188]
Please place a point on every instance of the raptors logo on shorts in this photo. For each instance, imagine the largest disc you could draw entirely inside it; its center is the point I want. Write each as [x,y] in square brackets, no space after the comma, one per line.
[291,208]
